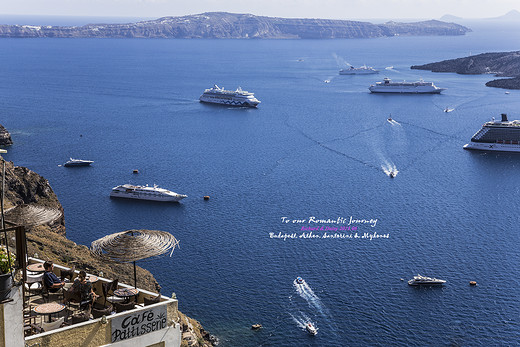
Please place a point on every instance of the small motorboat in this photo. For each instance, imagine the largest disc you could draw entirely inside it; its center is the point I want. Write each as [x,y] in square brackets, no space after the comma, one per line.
[78,162]
[390,119]
[256,326]
[311,329]
[392,174]
[299,280]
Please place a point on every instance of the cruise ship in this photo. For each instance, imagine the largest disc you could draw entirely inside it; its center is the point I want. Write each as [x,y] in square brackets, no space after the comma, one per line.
[419,87]
[363,70]
[425,281]
[503,136]
[154,193]
[239,97]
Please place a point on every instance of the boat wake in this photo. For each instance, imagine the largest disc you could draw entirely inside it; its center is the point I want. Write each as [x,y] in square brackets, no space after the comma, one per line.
[393,122]
[301,320]
[389,169]
[306,292]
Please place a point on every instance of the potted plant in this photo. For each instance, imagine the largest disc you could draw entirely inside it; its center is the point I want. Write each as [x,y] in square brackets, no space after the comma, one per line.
[6,266]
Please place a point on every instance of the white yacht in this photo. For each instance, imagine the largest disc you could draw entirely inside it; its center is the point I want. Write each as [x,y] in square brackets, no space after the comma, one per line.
[362,70]
[503,136]
[419,87]
[78,162]
[311,329]
[425,281]
[239,97]
[145,193]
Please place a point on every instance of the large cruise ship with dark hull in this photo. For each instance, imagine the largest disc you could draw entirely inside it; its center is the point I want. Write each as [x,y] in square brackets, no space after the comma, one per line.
[419,87]
[502,136]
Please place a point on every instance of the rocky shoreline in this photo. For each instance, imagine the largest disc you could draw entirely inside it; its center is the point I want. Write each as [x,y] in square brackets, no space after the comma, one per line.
[500,64]
[5,137]
[48,241]
[223,25]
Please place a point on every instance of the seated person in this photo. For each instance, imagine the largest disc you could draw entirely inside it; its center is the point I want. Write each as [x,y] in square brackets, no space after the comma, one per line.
[51,280]
[84,288]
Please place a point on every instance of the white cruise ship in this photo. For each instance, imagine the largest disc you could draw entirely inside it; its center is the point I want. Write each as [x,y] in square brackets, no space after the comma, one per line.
[363,70]
[154,193]
[419,87]
[239,97]
[503,136]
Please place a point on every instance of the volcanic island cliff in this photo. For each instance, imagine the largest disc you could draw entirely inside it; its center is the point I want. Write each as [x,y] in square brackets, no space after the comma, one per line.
[501,64]
[223,25]
[26,189]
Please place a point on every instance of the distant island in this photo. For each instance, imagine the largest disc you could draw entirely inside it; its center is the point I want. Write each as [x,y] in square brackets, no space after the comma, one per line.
[502,64]
[223,25]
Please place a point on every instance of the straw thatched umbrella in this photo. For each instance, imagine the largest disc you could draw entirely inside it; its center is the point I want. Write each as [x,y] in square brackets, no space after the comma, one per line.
[132,245]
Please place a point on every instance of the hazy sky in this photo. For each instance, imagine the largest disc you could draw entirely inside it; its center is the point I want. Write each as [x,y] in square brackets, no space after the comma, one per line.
[337,9]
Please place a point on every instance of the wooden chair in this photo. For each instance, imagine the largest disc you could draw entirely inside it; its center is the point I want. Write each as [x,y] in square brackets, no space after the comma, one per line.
[99,310]
[122,307]
[33,284]
[108,291]
[82,317]
[68,274]
[152,301]
[46,292]
[72,299]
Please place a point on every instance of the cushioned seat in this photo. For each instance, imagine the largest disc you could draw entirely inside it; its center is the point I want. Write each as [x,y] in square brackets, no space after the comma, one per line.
[48,326]
[120,307]
[99,311]
[152,301]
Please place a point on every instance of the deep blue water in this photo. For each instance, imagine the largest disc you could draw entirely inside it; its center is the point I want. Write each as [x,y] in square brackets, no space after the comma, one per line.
[310,149]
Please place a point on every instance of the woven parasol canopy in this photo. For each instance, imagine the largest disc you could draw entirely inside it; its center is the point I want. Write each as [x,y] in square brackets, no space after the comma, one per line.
[31,215]
[132,245]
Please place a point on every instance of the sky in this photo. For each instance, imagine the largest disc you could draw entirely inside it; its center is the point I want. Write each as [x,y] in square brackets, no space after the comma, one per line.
[333,9]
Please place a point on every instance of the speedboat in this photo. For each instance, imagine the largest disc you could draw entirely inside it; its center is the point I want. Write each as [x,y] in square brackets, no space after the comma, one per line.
[78,162]
[392,174]
[311,329]
[299,280]
[425,281]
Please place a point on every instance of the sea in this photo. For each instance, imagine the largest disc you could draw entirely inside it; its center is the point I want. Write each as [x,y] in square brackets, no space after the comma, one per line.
[299,186]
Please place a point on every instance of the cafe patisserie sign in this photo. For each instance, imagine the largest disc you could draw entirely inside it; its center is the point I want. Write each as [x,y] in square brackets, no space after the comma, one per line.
[138,323]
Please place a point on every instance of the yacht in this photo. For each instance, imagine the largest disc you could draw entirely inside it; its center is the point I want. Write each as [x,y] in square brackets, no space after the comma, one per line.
[145,193]
[503,136]
[425,281]
[78,162]
[419,87]
[239,97]
[311,329]
[363,70]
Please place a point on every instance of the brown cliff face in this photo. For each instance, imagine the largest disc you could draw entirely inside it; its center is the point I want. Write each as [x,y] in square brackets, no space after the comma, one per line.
[5,137]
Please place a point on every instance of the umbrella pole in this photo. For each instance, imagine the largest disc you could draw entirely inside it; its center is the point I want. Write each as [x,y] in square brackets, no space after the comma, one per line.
[135,277]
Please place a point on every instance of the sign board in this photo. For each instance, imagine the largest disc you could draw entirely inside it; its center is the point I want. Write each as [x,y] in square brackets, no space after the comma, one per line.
[139,323]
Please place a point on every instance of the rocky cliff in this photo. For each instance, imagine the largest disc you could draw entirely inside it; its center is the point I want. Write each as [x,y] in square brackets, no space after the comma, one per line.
[47,241]
[5,137]
[222,25]
[502,64]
